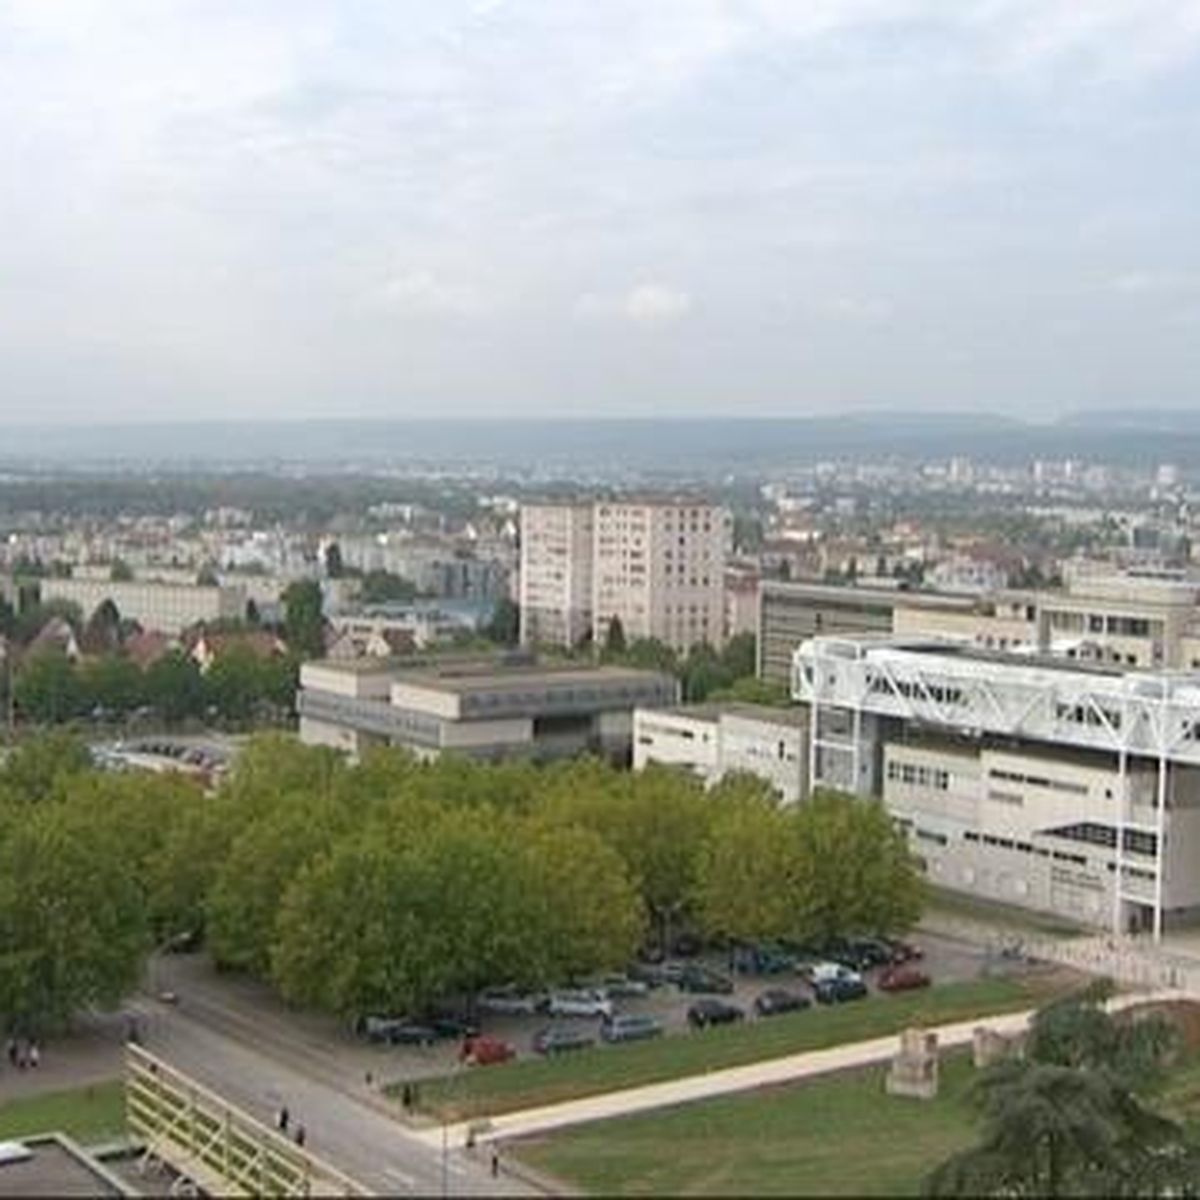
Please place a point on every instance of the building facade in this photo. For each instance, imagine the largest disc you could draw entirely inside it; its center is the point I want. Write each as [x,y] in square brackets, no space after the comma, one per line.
[1067,787]
[659,570]
[714,740]
[555,595]
[162,607]
[481,709]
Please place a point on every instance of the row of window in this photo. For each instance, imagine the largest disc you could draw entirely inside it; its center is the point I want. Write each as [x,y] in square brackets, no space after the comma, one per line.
[1005,843]
[911,774]
[1042,781]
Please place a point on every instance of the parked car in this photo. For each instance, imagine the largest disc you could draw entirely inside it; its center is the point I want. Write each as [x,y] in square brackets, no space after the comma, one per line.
[838,991]
[509,1002]
[903,952]
[763,960]
[860,954]
[482,1051]
[695,978]
[651,974]
[630,1027]
[621,987]
[710,1011]
[377,1028]
[672,971]
[555,1039]
[686,945]
[902,977]
[450,1025]
[410,1033]
[779,1000]
[580,1002]
[828,972]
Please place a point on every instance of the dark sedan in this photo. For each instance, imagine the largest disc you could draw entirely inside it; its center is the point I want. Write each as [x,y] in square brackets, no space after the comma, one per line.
[779,1000]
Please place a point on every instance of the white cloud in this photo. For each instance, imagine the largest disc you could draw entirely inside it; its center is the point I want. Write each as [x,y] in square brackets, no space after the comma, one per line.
[656,303]
[422,293]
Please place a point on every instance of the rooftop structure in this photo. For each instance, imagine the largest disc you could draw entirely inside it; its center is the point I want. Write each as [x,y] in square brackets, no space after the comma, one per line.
[486,710]
[1126,743]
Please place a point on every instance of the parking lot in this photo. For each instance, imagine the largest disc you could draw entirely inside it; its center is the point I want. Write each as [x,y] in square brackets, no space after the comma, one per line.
[945,960]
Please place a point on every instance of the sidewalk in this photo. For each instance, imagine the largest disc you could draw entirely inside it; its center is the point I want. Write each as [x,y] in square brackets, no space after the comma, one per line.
[734,1079]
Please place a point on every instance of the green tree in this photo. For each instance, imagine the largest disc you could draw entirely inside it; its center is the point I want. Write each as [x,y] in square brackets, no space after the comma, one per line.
[47,689]
[856,873]
[333,561]
[505,625]
[111,683]
[72,923]
[174,687]
[304,625]
[36,769]
[379,587]
[747,867]
[102,633]
[1056,1131]
[749,690]
[740,655]
[121,571]
[614,639]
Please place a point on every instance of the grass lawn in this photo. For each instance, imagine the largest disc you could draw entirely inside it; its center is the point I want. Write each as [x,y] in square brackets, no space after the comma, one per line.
[840,1135]
[88,1114]
[942,901]
[529,1082]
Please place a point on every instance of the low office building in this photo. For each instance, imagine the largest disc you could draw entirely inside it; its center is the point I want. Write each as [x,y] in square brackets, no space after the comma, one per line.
[485,710]
[714,740]
[1066,787]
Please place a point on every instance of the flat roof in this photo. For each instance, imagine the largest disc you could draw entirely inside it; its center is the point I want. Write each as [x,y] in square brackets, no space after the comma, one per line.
[1043,662]
[793,716]
[848,594]
[462,679]
[55,1167]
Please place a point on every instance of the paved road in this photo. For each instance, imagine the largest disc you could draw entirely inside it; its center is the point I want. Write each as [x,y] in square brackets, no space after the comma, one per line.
[788,1069]
[259,1073]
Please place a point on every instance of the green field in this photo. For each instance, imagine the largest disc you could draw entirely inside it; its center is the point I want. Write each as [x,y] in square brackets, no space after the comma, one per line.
[88,1114]
[840,1135]
[836,1136]
[530,1082]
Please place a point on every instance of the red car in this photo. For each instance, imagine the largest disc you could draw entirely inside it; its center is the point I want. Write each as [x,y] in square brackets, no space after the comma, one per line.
[482,1051]
[902,978]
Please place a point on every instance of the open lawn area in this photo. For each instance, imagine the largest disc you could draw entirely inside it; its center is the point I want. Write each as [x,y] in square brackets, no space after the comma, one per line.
[88,1114]
[531,1082]
[840,1135]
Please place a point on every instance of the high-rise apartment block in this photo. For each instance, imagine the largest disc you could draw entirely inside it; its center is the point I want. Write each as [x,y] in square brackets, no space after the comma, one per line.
[656,566]
[556,574]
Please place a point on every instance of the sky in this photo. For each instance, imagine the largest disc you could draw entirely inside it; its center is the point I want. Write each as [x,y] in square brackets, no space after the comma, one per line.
[284,208]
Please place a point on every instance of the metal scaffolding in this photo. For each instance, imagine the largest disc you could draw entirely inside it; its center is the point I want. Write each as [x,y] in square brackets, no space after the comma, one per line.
[212,1146]
[1152,716]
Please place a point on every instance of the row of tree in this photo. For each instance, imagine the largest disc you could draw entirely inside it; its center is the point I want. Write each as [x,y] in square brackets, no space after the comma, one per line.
[395,883]
[50,689]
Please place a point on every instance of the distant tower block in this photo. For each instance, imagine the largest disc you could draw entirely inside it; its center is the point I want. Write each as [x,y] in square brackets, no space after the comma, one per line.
[914,1070]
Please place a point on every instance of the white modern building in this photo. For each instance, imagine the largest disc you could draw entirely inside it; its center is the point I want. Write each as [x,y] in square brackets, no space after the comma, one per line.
[1067,787]
[659,569]
[714,740]
[161,607]
[555,595]
[485,710]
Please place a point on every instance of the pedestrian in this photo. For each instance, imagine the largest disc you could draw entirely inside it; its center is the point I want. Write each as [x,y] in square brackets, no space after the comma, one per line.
[301,1136]
[370,1079]
[11,1050]
[495,1162]
[406,1097]
[281,1122]
[413,1098]
[35,1054]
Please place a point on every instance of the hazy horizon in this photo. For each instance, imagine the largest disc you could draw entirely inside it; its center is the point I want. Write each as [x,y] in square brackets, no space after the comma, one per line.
[748,208]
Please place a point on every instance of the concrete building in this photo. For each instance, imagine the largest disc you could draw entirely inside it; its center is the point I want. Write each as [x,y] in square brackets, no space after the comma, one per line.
[713,740]
[790,613]
[659,568]
[163,607]
[481,709]
[555,576]
[1067,787]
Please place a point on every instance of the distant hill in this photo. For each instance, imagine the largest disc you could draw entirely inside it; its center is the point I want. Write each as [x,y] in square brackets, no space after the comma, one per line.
[671,445]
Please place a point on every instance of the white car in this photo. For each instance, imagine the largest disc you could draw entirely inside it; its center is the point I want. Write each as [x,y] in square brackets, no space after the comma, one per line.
[508,1002]
[829,972]
[586,1002]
